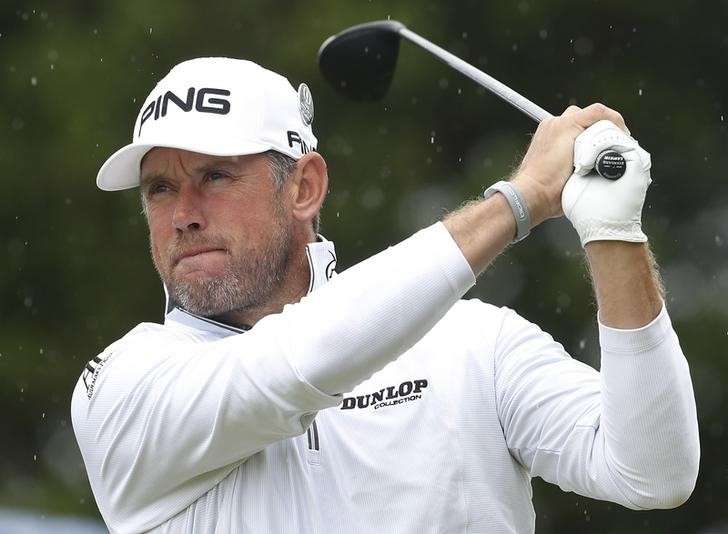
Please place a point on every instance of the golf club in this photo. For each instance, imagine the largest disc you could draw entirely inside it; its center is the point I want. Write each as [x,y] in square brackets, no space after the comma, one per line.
[359,63]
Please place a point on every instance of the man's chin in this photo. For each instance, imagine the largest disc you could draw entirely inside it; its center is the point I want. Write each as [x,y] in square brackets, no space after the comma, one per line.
[204,295]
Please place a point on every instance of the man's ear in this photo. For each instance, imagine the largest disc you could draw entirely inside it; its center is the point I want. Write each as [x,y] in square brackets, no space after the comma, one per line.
[309,186]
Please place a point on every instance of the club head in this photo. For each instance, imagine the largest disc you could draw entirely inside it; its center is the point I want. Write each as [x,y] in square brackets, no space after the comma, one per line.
[359,62]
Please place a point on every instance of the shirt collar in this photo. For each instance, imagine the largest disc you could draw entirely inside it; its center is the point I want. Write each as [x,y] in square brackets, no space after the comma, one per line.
[321,257]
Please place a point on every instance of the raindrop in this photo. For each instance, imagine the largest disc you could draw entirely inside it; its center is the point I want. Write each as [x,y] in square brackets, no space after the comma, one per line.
[150,30]
[543,34]
[582,344]
[33,81]
[639,91]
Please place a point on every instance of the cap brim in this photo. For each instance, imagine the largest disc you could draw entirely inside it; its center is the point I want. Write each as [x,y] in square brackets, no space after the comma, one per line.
[123,168]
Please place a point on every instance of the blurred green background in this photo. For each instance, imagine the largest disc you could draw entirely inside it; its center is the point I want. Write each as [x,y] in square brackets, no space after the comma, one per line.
[75,273]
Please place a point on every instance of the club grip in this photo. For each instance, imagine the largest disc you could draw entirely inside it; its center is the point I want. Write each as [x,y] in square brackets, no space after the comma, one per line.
[611,165]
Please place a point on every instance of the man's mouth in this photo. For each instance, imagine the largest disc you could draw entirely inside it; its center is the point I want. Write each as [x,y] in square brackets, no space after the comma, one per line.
[197,253]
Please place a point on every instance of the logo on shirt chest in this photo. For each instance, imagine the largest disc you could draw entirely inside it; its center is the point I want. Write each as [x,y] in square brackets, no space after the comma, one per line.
[408,391]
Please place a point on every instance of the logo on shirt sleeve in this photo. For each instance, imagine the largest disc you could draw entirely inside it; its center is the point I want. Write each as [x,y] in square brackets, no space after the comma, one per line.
[91,372]
[408,391]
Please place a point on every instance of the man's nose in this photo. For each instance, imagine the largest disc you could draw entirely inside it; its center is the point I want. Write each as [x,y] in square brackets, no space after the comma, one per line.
[188,213]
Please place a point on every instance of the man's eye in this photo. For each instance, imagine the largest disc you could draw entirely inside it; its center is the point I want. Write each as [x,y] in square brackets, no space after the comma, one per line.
[156,189]
[213,176]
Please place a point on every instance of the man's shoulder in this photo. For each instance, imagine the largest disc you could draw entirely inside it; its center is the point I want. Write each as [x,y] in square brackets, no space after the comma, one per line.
[146,336]
[140,344]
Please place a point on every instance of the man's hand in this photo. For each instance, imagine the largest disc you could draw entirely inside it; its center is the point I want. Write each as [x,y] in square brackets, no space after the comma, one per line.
[549,161]
[602,209]
[483,229]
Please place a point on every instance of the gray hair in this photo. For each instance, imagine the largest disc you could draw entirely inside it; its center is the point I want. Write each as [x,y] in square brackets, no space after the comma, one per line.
[281,167]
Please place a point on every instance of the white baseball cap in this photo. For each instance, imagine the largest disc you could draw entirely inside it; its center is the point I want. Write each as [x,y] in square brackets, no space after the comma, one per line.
[218,106]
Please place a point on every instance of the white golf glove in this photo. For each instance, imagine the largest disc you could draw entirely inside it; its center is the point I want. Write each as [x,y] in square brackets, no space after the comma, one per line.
[602,209]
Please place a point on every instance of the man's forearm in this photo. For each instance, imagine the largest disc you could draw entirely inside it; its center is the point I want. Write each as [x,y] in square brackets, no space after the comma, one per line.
[484,228]
[626,283]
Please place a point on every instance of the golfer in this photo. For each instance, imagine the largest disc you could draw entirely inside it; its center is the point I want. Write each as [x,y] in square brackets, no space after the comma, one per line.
[278,397]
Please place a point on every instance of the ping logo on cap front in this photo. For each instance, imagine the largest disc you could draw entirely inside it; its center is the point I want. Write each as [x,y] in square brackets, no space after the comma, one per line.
[206,101]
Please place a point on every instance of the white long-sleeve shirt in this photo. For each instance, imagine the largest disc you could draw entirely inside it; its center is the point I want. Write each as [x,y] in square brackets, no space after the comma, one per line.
[449,407]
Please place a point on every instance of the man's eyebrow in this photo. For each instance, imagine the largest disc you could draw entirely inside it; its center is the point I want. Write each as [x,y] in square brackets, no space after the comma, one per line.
[203,168]
[216,164]
[151,177]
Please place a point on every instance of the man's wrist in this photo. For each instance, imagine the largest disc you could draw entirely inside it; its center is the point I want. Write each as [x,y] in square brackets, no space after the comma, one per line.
[626,283]
[536,199]
[517,204]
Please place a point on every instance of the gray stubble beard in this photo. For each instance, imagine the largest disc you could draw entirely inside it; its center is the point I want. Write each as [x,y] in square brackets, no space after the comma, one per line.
[247,283]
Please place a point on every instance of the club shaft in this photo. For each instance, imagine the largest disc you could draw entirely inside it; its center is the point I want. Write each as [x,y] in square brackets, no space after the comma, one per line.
[515,99]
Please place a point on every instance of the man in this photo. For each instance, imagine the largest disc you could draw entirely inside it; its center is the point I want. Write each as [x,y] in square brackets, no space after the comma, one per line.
[273,399]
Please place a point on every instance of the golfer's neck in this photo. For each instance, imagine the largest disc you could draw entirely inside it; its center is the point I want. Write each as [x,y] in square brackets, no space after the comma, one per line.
[293,288]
